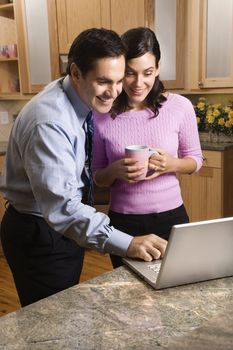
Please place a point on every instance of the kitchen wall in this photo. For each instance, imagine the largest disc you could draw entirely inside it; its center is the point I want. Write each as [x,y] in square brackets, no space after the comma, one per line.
[212,98]
[12,108]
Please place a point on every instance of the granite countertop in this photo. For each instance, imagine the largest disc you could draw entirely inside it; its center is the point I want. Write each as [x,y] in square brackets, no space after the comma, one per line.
[118,310]
[216,146]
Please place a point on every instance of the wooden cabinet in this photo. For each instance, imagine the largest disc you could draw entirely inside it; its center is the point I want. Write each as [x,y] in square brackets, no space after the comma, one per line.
[75,16]
[9,65]
[209,48]
[216,48]
[2,201]
[208,194]
[24,23]
[33,44]
[169,26]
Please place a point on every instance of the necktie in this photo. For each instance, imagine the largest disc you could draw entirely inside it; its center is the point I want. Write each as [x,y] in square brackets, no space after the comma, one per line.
[87,176]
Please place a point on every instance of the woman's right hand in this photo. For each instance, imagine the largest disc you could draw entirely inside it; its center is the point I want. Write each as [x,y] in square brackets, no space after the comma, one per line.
[126,169]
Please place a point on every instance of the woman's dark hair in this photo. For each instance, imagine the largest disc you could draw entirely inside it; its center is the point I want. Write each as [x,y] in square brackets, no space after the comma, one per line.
[91,45]
[137,42]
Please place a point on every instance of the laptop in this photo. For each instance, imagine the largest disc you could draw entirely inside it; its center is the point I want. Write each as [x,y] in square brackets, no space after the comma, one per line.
[195,252]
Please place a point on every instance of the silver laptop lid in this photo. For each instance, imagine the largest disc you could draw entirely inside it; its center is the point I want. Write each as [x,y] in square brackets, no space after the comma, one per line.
[195,252]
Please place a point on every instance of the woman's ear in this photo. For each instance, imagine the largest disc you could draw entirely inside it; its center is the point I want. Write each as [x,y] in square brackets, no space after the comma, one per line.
[158,69]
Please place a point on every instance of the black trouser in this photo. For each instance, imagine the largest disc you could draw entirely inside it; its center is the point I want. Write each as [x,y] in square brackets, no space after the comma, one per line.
[42,261]
[143,224]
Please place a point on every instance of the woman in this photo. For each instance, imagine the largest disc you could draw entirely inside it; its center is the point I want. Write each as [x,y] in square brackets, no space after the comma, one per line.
[145,114]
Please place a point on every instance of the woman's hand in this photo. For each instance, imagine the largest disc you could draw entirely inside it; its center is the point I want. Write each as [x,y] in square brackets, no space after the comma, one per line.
[126,169]
[162,162]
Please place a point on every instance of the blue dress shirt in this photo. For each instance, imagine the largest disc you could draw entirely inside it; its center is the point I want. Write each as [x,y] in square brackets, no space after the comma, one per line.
[44,162]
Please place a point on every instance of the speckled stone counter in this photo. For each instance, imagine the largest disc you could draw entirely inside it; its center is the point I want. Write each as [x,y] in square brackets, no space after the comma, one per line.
[216,146]
[118,310]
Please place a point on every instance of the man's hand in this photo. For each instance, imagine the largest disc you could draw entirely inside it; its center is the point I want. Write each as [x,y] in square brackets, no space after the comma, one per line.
[147,247]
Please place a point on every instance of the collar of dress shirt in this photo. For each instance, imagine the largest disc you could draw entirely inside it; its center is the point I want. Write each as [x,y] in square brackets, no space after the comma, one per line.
[81,109]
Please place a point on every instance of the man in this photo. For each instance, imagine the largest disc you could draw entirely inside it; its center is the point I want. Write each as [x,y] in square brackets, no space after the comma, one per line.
[47,223]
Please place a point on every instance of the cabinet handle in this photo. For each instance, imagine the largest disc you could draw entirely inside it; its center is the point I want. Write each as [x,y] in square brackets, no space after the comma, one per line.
[204,159]
[200,84]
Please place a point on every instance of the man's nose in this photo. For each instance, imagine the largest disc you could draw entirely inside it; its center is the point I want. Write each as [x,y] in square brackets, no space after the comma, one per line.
[115,90]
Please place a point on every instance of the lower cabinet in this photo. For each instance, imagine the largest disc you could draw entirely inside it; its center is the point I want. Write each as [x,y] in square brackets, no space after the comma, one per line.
[208,194]
[2,201]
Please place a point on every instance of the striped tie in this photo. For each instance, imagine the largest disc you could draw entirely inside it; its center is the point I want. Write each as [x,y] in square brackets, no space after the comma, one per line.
[87,174]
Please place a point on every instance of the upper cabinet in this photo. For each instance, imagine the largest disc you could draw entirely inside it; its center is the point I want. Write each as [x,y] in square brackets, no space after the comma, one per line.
[75,16]
[209,43]
[216,38]
[25,55]
[9,64]
[169,26]
[33,44]
[165,17]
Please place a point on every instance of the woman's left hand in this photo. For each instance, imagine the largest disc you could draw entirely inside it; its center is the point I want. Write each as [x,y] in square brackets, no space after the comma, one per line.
[160,163]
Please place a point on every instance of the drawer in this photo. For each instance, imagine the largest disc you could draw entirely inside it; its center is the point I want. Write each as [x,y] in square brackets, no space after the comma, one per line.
[213,159]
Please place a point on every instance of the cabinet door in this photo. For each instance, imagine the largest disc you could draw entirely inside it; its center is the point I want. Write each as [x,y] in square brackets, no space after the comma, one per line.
[216,38]
[9,71]
[203,191]
[2,201]
[169,26]
[127,14]
[75,16]
[33,42]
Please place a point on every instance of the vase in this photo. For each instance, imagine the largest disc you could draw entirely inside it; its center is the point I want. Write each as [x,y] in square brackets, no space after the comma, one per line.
[215,137]
[204,136]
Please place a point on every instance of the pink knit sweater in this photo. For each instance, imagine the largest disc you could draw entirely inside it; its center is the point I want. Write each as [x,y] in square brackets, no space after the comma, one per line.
[174,129]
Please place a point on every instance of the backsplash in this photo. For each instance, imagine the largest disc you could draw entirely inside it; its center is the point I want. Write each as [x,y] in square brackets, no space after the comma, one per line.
[12,108]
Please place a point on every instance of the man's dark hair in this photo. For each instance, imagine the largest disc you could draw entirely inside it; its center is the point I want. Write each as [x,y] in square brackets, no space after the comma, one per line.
[91,45]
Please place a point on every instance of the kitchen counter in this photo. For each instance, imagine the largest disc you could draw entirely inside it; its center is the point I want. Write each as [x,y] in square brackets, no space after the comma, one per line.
[117,310]
[216,146]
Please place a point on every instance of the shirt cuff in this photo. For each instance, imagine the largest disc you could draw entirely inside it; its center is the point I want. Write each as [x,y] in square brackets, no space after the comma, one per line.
[118,243]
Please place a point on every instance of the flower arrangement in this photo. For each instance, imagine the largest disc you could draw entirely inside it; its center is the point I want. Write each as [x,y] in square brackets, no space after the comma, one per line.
[214,117]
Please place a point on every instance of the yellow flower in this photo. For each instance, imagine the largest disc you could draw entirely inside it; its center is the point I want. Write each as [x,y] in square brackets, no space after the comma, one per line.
[202,99]
[216,105]
[201,106]
[221,121]
[230,114]
[210,119]
[227,109]
[228,124]
[216,112]
[198,120]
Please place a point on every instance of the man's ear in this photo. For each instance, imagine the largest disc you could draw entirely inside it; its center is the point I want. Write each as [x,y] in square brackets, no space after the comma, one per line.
[75,71]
